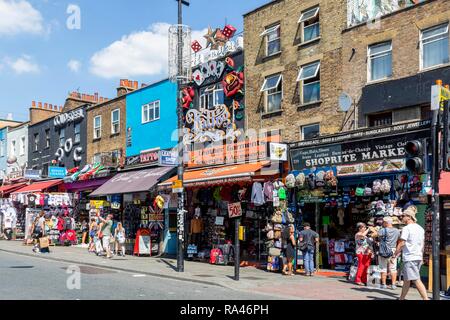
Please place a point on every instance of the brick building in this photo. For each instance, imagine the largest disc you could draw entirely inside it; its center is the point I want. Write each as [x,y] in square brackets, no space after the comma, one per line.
[390,64]
[106,127]
[293,64]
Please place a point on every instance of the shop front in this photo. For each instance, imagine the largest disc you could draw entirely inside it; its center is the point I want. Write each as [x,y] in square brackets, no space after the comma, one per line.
[133,199]
[8,213]
[361,176]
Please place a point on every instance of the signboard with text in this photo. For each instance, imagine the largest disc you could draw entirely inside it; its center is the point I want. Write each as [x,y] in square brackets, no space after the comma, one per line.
[168,158]
[32,174]
[234,210]
[57,172]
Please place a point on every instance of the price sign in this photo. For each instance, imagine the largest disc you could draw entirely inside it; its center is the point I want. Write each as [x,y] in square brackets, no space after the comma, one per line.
[234,210]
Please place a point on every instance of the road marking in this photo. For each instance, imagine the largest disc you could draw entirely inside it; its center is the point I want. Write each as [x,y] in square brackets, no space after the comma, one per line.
[139,275]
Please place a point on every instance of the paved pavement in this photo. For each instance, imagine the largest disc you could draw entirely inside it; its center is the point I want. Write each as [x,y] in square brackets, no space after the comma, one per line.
[252,280]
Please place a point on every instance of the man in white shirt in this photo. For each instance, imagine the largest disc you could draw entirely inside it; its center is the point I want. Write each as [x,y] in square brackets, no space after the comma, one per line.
[411,244]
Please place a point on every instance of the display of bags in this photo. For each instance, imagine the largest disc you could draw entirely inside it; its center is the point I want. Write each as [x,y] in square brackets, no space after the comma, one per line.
[386,186]
[275,252]
[277,217]
[277,235]
[359,192]
[300,180]
[290,181]
[270,235]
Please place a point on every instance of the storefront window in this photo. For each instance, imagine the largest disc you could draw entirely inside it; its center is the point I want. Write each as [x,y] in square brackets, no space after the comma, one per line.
[381,119]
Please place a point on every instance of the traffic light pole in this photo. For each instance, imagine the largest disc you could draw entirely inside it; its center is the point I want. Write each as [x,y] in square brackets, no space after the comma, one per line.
[435,201]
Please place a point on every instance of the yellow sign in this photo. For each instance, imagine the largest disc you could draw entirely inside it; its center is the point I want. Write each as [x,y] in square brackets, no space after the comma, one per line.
[439,94]
[177,186]
[96,204]
[242,233]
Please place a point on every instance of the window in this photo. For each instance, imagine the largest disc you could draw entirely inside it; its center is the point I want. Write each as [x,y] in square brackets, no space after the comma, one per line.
[309,80]
[62,136]
[211,97]
[22,146]
[272,38]
[115,157]
[13,148]
[150,112]
[273,90]
[380,119]
[97,127]
[309,24]
[47,138]
[77,130]
[219,97]
[97,158]
[380,61]
[434,46]
[115,121]
[310,131]
[36,141]
[2,148]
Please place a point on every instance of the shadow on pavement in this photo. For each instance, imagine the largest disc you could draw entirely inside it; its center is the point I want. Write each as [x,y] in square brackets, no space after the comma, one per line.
[173,267]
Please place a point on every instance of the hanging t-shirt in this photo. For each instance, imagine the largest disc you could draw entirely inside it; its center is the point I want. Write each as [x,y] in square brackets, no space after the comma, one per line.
[341,215]
[257,194]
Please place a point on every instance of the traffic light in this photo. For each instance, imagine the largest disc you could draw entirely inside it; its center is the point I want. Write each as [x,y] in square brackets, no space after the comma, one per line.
[446,137]
[415,156]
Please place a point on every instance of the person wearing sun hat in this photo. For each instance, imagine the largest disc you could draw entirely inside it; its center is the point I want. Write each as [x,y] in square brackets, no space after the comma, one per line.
[411,245]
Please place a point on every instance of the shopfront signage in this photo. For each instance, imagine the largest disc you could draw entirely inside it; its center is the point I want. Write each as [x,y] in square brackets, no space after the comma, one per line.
[352,157]
[230,46]
[150,157]
[98,204]
[57,172]
[210,125]
[32,174]
[177,186]
[234,210]
[278,151]
[168,158]
[68,117]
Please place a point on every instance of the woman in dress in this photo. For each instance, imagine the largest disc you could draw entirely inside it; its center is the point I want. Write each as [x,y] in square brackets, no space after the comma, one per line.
[363,253]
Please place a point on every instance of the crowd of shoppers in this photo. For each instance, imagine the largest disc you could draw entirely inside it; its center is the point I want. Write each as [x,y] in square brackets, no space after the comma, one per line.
[105,234]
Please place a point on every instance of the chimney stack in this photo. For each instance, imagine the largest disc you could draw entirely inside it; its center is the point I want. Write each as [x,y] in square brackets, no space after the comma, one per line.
[33,104]
[40,105]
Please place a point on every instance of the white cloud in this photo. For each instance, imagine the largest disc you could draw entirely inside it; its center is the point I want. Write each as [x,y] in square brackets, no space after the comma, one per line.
[141,53]
[19,16]
[74,65]
[24,64]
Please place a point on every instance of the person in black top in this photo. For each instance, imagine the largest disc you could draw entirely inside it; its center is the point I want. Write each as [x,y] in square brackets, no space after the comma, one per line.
[307,243]
[289,252]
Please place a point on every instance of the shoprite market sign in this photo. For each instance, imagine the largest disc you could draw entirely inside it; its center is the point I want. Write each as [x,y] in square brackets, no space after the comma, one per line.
[387,150]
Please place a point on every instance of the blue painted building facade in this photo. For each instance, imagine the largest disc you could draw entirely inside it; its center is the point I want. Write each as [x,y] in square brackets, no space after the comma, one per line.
[151,117]
[3,152]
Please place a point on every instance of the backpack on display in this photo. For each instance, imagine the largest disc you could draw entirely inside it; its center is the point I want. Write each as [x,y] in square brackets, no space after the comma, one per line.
[320,179]
[290,181]
[386,186]
[376,188]
[300,180]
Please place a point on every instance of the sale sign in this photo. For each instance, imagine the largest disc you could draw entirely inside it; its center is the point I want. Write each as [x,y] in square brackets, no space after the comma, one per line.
[234,210]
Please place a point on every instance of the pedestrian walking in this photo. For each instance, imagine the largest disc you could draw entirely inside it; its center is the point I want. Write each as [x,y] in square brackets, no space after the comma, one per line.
[307,244]
[363,253]
[388,237]
[105,234]
[120,236]
[289,249]
[411,245]
[36,231]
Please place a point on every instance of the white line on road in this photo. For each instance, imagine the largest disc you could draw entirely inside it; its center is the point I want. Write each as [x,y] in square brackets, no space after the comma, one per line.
[139,275]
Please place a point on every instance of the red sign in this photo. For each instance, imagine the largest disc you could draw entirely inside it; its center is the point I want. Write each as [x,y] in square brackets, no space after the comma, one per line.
[234,210]
[149,157]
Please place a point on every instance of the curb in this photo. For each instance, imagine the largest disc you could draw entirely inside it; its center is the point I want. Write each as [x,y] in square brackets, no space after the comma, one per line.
[158,275]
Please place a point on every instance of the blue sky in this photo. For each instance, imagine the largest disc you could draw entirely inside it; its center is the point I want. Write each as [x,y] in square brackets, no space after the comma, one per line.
[42,59]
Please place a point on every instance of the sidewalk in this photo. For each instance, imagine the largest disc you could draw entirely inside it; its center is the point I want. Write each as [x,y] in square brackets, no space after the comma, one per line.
[251,279]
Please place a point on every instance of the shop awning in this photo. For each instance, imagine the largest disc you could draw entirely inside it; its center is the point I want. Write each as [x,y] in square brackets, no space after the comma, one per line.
[133,181]
[444,183]
[226,174]
[39,186]
[83,185]
[4,190]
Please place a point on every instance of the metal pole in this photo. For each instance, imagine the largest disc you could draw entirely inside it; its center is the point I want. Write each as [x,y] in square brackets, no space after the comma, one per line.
[435,200]
[237,250]
[180,213]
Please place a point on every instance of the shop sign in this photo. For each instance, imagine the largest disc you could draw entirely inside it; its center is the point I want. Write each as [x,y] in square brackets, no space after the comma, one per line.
[156,217]
[149,157]
[57,172]
[115,205]
[367,156]
[168,158]
[14,175]
[98,204]
[250,149]
[68,117]
[177,186]
[230,46]
[32,174]
[210,125]
[278,151]
[234,210]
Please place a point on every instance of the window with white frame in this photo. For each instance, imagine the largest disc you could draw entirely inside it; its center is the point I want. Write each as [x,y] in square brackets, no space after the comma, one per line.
[309,24]
[272,39]
[2,148]
[380,61]
[310,131]
[77,130]
[207,98]
[434,46]
[219,97]
[47,138]
[22,146]
[13,148]
[97,127]
[115,121]
[36,141]
[309,82]
[273,91]
[150,112]
[62,136]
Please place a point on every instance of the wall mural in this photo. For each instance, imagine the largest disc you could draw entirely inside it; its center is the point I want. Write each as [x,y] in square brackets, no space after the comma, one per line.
[66,149]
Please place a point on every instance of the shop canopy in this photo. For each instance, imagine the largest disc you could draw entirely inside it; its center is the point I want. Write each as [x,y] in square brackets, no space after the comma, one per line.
[226,174]
[7,189]
[444,183]
[132,182]
[39,186]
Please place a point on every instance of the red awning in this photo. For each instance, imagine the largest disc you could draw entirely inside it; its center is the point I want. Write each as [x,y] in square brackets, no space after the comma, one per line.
[6,189]
[444,183]
[39,186]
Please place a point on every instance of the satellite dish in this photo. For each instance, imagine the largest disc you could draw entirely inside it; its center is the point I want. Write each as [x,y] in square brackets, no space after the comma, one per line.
[345,102]
[11,160]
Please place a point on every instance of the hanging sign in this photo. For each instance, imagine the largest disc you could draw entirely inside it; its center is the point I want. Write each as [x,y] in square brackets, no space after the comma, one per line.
[177,186]
[234,210]
[57,172]
[168,158]
[278,152]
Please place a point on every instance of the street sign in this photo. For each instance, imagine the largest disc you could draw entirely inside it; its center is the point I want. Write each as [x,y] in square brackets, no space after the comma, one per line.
[177,186]
[32,174]
[168,158]
[234,210]
[439,94]
[57,172]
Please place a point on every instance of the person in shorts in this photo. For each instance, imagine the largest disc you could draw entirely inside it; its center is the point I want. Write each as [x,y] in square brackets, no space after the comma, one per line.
[105,229]
[389,236]
[411,245]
